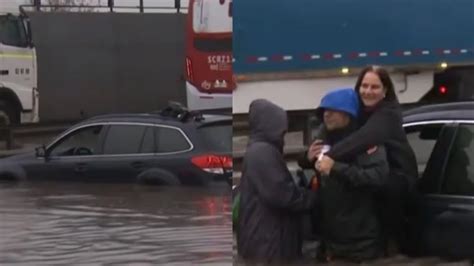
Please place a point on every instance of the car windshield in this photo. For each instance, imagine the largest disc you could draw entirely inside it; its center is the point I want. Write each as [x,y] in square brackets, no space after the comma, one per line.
[217,137]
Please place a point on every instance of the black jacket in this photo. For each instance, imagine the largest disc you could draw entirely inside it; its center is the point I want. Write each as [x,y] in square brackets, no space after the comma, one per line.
[270,202]
[382,126]
[348,211]
[351,228]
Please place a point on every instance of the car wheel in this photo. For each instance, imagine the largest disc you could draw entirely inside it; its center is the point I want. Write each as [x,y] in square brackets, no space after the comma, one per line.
[158,177]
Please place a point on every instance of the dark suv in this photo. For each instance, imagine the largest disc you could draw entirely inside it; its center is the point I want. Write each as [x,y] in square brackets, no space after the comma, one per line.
[168,148]
[441,221]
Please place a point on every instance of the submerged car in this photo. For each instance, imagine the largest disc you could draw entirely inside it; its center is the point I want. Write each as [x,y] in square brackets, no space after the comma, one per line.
[172,147]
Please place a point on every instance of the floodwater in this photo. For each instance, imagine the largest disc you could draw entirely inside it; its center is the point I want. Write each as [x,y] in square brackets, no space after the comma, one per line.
[70,223]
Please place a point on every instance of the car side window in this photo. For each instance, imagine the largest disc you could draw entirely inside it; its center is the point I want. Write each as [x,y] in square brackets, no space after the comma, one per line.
[148,142]
[422,139]
[81,142]
[123,139]
[459,171]
[170,140]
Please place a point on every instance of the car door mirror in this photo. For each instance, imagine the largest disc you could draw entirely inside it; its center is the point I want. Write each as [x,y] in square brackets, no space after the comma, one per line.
[41,152]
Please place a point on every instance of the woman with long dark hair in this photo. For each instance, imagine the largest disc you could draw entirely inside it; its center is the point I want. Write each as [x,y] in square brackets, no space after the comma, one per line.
[380,122]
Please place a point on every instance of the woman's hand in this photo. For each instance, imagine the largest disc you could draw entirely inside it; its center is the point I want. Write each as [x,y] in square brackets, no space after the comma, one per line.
[324,165]
[314,150]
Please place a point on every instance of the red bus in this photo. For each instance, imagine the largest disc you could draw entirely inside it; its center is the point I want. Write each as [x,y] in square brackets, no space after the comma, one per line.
[208,66]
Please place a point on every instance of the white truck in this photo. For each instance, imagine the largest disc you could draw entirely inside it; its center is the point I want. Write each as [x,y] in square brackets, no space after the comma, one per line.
[18,71]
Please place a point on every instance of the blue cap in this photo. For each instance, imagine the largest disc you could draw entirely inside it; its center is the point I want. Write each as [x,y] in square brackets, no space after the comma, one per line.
[344,100]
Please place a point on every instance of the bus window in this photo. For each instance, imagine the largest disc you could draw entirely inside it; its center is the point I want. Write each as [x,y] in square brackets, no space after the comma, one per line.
[213,45]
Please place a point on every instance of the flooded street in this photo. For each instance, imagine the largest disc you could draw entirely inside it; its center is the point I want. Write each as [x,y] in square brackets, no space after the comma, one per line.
[76,223]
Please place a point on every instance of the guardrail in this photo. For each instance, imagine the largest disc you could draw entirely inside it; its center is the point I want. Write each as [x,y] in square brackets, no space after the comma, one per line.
[11,133]
[38,6]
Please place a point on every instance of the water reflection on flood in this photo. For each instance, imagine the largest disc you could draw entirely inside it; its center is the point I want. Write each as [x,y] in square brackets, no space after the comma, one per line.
[73,223]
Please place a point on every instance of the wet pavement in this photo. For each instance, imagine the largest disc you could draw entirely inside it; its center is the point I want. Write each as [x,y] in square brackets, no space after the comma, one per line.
[65,223]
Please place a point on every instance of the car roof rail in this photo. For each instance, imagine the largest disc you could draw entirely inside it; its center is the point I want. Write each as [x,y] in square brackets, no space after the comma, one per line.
[449,106]
[177,111]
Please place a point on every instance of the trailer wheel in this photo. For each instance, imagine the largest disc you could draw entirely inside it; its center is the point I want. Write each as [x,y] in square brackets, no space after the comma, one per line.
[9,115]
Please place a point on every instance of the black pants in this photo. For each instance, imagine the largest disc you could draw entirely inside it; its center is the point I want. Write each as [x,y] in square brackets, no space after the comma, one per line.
[393,203]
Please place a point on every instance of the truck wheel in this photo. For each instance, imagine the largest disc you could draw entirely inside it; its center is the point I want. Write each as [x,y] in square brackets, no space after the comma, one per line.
[9,115]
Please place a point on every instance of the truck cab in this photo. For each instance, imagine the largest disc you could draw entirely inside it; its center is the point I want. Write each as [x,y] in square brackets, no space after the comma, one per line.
[18,71]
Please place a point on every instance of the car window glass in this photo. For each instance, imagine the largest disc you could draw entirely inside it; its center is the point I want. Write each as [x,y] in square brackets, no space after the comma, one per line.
[170,140]
[123,139]
[422,139]
[217,137]
[459,172]
[148,142]
[81,142]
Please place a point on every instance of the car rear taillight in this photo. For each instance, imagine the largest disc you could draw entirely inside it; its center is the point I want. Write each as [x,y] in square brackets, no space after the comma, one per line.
[189,69]
[443,90]
[213,163]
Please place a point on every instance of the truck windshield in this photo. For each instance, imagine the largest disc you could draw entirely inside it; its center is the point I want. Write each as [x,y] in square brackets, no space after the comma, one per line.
[12,31]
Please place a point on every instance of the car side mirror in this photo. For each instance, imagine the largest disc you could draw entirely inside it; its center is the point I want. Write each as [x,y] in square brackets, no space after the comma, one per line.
[41,152]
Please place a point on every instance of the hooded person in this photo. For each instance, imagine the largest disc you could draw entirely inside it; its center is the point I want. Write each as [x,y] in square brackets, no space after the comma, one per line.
[271,204]
[350,225]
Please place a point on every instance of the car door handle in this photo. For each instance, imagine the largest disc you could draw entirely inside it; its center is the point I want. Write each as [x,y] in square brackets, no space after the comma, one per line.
[138,165]
[80,168]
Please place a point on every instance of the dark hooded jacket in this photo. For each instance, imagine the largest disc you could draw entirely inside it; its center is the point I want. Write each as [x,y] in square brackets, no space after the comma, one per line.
[271,203]
[351,228]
